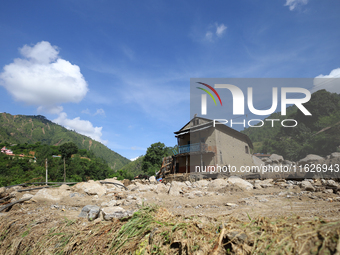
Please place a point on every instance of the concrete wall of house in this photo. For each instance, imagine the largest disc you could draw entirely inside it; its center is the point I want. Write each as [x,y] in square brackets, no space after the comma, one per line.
[184,139]
[232,149]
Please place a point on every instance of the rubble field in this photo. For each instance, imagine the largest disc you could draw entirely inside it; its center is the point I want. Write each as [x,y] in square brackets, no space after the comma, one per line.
[220,216]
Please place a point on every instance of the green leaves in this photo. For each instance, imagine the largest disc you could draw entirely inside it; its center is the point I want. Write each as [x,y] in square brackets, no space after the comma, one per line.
[152,161]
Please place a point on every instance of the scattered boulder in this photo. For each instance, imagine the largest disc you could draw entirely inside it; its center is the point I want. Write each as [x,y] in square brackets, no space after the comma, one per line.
[202,183]
[2,192]
[114,212]
[276,158]
[257,161]
[92,188]
[188,183]
[218,183]
[53,194]
[153,180]
[306,185]
[240,183]
[176,188]
[335,155]
[311,158]
[132,187]
[126,182]
[143,188]
[27,196]
[257,185]
[90,211]
[161,188]
[331,184]
[328,191]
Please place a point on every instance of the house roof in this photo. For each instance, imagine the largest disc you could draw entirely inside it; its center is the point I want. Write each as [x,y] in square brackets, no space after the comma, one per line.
[209,124]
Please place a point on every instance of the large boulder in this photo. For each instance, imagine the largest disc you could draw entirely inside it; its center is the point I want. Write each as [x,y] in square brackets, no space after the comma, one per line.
[52,194]
[306,185]
[114,212]
[276,158]
[176,188]
[92,188]
[311,158]
[202,183]
[240,183]
[153,180]
[335,155]
[143,188]
[161,188]
[218,183]
[90,211]
[257,161]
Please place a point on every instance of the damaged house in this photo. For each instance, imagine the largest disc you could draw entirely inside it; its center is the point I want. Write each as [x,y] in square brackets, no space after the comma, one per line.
[202,145]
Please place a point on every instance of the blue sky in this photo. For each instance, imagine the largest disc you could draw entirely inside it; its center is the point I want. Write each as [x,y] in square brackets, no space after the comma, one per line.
[119,71]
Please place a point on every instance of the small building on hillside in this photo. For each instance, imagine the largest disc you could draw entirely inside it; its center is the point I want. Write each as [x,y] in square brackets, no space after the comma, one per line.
[202,145]
[7,151]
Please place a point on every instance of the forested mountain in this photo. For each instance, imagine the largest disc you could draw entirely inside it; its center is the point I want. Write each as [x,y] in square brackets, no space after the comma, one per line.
[21,129]
[130,170]
[27,163]
[316,134]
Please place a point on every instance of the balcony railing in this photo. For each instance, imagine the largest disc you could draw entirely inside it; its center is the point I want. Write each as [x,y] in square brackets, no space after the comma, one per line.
[194,147]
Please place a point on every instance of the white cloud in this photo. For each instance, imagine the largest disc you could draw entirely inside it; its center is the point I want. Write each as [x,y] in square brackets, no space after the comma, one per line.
[212,36]
[295,3]
[209,35]
[87,111]
[84,127]
[98,112]
[133,159]
[220,29]
[43,79]
[330,82]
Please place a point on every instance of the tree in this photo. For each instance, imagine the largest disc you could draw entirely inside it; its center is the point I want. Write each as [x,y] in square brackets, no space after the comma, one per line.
[152,161]
[66,150]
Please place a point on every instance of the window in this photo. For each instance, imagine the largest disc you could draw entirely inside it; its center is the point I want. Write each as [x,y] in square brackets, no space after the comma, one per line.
[247,150]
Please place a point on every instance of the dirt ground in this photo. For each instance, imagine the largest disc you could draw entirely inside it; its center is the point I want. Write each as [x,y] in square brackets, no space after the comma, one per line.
[216,206]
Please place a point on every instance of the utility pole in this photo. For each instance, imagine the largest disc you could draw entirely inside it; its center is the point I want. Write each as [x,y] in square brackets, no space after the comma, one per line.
[64,171]
[46,172]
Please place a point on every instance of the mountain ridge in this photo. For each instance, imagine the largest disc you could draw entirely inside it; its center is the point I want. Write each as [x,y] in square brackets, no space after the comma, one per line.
[315,134]
[37,128]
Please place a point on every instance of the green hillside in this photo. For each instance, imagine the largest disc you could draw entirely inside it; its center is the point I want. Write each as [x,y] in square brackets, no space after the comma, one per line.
[316,134]
[20,129]
[130,170]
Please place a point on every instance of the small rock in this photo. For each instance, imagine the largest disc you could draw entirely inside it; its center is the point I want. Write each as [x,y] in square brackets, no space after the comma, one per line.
[231,205]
